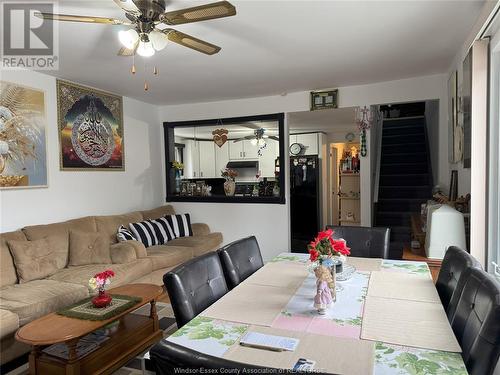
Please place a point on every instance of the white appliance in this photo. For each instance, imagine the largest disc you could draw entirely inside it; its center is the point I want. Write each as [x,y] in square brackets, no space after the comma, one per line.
[445,227]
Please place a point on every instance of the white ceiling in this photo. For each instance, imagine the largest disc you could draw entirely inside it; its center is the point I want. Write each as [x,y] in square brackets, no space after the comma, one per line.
[271,47]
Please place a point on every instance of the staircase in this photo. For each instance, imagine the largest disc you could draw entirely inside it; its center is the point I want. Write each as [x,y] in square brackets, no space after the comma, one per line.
[405,178]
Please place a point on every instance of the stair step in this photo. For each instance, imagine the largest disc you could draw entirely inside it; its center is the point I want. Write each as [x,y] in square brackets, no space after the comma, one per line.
[391,218]
[413,179]
[402,204]
[408,157]
[402,168]
[404,122]
[399,130]
[404,147]
[402,139]
[423,191]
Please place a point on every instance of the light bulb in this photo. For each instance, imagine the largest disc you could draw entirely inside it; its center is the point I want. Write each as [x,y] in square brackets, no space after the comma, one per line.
[254,142]
[145,49]
[261,142]
[158,39]
[128,38]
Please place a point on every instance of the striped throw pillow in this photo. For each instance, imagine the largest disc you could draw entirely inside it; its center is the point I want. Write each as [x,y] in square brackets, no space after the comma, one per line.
[152,232]
[181,225]
[124,234]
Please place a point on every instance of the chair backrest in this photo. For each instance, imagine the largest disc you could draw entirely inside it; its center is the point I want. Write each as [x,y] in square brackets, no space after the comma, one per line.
[455,262]
[195,285]
[168,358]
[365,242]
[476,321]
[240,259]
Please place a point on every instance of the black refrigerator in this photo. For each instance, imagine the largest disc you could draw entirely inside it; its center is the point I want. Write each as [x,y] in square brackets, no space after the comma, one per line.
[304,201]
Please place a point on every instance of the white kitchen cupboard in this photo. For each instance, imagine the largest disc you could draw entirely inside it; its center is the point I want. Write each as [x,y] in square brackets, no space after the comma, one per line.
[207,158]
[309,141]
[192,160]
[242,150]
[221,158]
[267,160]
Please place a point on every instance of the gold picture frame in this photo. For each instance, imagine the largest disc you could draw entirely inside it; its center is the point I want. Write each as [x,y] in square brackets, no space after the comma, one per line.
[90,128]
[325,99]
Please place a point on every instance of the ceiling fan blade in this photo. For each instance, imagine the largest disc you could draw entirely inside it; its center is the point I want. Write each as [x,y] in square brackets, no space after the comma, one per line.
[128,6]
[274,138]
[251,125]
[200,13]
[191,42]
[86,19]
[124,51]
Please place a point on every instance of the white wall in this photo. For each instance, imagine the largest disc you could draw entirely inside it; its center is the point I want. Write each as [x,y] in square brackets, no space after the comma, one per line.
[75,194]
[270,223]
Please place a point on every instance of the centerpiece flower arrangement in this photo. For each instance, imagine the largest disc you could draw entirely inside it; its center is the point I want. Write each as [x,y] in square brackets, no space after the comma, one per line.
[326,251]
[230,185]
[99,283]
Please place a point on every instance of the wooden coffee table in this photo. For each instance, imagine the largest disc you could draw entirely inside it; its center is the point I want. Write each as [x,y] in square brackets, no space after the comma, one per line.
[134,334]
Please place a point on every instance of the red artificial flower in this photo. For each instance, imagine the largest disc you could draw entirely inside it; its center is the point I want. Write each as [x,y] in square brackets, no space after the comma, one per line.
[325,234]
[104,274]
[313,254]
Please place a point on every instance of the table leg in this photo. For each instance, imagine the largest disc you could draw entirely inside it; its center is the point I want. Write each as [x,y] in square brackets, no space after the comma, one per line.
[33,359]
[73,366]
[154,315]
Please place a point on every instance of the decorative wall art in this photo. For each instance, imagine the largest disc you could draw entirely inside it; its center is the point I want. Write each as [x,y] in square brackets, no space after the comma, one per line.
[455,133]
[220,136]
[90,128]
[23,154]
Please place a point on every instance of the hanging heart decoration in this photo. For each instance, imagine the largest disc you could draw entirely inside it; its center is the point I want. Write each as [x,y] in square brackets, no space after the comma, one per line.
[220,136]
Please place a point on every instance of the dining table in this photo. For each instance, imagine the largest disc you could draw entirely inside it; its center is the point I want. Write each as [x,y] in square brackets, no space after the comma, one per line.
[387,319]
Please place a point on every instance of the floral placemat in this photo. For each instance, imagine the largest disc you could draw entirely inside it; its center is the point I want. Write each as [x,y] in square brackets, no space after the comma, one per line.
[342,319]
[406,266]
[85,309]
[404,360]
[208,336]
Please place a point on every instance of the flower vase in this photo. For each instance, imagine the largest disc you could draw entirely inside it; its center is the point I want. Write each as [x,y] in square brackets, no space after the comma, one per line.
[102,300]
[229,188]
[177,181]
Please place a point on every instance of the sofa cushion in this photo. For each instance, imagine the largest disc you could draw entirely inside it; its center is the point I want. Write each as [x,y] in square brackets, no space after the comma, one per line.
[61,230]
[36,298]
[88,248]
[168,256]
[180,224]
[200,229]
[199,244]
[110,224]
[8,274]
[122,252]
[158,212]
[124,273]
[9,323]
[35,260]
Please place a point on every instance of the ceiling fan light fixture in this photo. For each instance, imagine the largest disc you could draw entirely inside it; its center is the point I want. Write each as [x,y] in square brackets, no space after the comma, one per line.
[145,49]
[253,141]
[158,39]
[128,38]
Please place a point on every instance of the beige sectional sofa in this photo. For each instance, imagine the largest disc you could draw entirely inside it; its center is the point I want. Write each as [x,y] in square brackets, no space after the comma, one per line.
[20,303]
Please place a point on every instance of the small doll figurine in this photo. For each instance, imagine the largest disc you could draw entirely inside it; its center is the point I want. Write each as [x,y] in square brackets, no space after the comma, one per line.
[323,297]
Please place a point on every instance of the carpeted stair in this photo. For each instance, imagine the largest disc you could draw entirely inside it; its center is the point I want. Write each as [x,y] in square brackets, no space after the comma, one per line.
[405,178]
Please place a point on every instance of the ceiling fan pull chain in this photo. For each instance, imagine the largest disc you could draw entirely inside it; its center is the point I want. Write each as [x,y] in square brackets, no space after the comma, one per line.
[155,71]
[146,86]
[133,70]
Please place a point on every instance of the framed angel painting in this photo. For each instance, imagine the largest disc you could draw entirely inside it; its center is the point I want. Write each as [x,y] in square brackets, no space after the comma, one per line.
[23,153]
[90,128]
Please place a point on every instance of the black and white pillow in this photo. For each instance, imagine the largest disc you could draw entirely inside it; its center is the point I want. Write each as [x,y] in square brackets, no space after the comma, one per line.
[152,232]
[124,234]
[181,225]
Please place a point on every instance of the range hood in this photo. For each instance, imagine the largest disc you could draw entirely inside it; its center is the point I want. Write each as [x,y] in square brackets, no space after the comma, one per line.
[243,164]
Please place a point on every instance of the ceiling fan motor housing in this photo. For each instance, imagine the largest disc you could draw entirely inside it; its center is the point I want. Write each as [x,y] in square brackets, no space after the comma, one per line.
[150,9]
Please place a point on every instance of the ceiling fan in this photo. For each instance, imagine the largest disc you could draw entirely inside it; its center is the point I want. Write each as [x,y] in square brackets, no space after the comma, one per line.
[258,138]
[144,17]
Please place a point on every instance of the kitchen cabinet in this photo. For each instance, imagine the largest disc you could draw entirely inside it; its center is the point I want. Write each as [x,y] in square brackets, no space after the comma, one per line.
[268,158]
[207,159]
[309,141]
[242,150]
[221,158]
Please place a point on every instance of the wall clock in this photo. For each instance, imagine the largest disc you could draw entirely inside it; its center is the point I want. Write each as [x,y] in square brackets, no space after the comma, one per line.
[296,149]
[350,137]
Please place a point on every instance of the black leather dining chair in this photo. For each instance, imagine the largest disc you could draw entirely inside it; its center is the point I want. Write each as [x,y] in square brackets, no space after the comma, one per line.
[365,242]
[455,262]
[195,285]
[168,358]
[240,259]
[476,321]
